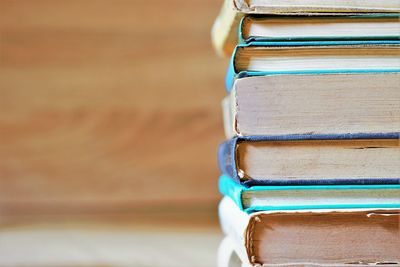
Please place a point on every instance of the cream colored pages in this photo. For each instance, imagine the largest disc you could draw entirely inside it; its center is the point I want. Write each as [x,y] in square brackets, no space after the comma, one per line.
[366,237]
[320,197]
[319,104]
[282,6]
[320,159]
[317,27]
[315,59]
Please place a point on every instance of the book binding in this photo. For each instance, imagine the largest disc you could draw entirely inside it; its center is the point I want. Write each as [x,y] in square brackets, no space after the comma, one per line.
[228,165]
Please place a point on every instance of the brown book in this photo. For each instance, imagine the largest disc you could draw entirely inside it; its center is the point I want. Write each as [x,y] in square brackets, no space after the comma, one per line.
[313,103]
[356,237]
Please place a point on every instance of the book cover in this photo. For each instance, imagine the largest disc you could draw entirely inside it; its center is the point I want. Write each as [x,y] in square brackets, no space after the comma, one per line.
[234,73]
[313,103]
[297,197]
[228,155]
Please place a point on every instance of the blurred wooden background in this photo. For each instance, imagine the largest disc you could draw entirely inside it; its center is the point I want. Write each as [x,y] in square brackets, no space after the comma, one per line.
[108,106]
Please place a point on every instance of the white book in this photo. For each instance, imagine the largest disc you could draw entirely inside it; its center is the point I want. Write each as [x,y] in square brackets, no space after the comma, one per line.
[229,255]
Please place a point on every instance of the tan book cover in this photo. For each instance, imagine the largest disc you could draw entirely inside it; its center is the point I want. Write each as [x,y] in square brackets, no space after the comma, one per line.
[313,103]
[225,29]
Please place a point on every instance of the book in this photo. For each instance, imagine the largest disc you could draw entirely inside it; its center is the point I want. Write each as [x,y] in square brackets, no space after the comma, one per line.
[230,254]
[288,28]
[310,57]
[312,159]
[313,103]
[261,198]
[313,237]
[224,31]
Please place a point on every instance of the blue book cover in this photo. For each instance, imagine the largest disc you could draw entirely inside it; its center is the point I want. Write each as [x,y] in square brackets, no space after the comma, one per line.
[227,159]
[233,73]
[268,198]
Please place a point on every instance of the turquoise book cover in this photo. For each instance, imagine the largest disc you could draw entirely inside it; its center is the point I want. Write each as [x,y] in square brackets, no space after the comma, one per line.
[235,191]
[233,73]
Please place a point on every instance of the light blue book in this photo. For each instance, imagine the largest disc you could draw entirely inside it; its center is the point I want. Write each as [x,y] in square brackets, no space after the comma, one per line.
[312,57]
[303,197]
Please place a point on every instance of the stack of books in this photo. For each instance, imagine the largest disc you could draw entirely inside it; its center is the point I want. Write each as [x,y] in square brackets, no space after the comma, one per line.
[311,165]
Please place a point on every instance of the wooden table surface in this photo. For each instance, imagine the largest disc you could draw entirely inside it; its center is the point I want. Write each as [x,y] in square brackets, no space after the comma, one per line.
[108,106]
[82,245]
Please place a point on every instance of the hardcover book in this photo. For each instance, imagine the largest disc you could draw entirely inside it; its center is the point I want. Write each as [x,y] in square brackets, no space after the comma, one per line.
[345,237]
[312,159]
[310,57]
[300,28]
[313,103]
[263,198]
[224,32]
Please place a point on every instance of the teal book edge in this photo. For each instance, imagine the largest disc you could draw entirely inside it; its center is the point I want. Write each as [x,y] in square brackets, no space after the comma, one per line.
[242,40]
[233,190]
[232,74]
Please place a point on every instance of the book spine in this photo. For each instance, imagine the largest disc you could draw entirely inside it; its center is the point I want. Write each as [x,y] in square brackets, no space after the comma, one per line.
[227,249]
[230,73]
[242,23]
[233,221]
[230,188]
[227,158]
[228,111]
